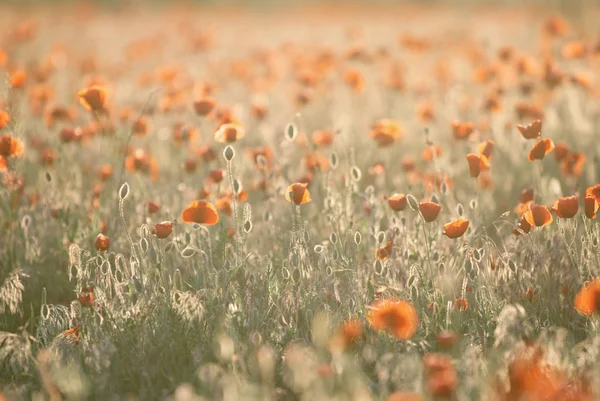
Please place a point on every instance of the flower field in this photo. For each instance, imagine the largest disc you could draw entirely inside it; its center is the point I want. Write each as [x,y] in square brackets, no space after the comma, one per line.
[303,201]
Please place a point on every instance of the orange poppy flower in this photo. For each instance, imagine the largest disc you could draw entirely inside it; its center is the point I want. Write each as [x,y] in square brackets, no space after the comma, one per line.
[184,134]
[216,175]
[354,80]
[11,146]
[386,131]
[316,161]
[526,195]
[447,339]
[93,98]
[462,130]
[102,242]
[163,230]
[200,212]
[574,49]
[522,208]
[590,206]
[426,112]
[486,148]
[538,216]
[18,79]
[383,253]
[4,119]
[431,152]
[523,226]
[139,160]
[532,130]
[397,202]
[206,153]
[189,165]
[152,207]
[322,138]
[594,191]
[461,304]
[70,336]
[224,204]
[204,106]
[3,164]
[572,164]
[348,335]
[429,210]
[105,172]
[529,110]
[297,193]
[477,164]
[229,132]
[456,228]
[587,301]
[540,149]
[566,207]
[141,127]
[398,317]
[86,297]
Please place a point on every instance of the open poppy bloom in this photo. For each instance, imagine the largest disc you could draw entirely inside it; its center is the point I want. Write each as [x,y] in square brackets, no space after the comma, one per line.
[486,148]
[297,193]
[204,106]
[526,195]
[477,164]
[523,226]
[531,131]
[348,335]
[566,207]
[229,132]
[200,212]
[102,242]
[322,138]
[139,160]
[152,207]
[594,191]
[163,230]
[398,317]
[587,300]
[441,376]
[223,204]
[429,210]
[11,146]
[561,151]
[572,164]
[4,119]
[590,206]
[397,202]
[383,253]
[386,131]
[18,79]
[538,216]
[431,152]
[456,228]
[540,149]
[462,130]
[93,98]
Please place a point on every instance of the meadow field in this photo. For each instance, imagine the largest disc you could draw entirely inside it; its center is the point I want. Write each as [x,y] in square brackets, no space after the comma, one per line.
[300,201]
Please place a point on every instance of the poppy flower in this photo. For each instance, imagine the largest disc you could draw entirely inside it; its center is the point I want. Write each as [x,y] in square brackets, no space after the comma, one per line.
[477,164]
[447,339]
[591,206]
[442,383]
[86,297]
[397,202]
[566,207]
[573,49]
[105,172]
[383,253]
[163,230]
[431,152]
[224,205]
[216,175]
[538,216]
[322,138]
[461,304]
[11,146]
[229,132]
[200,212]
[456,229]
[587,301]
[204,106]
[69,337]
[486,148]
[93,98]
[429,210]
[102,242]
[572,164]
[297,193]
[152,207]
[314,161]
[540,149]
[141,127]
[139,160]
[18,79]
[398,317]
[425,112]
[526,195]
[386,131]
[354,80]
[462,130]
[348,335]
[522,208]
[532,130]
[561,151]
[523,226]
[4,119]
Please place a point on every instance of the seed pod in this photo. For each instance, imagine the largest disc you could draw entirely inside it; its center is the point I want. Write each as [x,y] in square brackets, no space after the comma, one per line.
[124,191]
[290,132]
[229,153]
